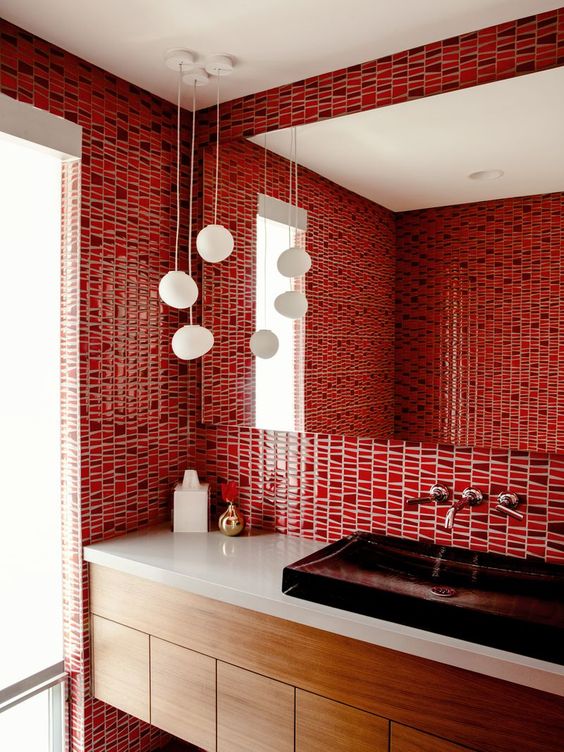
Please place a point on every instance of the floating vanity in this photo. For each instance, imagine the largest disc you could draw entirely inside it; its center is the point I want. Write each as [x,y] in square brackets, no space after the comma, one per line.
[193,633]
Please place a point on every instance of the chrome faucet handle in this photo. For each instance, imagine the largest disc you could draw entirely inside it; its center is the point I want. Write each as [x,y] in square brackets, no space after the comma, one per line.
[472,496]
[437,492]
[507,504]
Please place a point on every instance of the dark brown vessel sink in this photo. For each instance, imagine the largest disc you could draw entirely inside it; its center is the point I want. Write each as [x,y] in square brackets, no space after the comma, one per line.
[500,601]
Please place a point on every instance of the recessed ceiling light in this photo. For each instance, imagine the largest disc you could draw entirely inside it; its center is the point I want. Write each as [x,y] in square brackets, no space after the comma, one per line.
[486,175]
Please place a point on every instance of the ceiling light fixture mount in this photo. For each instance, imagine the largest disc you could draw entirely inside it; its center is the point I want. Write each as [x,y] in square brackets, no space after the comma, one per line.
[486,175]
[196,75]
[179,57]
[219,65]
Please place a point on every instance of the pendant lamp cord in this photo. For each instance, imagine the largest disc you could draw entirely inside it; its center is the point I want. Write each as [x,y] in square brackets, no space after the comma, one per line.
[296,185]
[265,233]
[217,152]
[290,190]
[191,186]
[177,167]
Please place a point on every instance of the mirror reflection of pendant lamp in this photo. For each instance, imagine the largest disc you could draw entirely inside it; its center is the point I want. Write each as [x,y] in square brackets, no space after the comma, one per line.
[264,342]
[177,289]
[192,340]
[294,261]
[215,242]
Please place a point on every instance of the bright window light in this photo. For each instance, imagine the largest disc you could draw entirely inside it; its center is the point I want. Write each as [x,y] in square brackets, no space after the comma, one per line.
[277,383]
[31,630]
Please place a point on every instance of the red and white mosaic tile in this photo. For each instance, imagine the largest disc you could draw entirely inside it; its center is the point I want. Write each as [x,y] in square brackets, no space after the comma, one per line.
[480,292]
[138,405]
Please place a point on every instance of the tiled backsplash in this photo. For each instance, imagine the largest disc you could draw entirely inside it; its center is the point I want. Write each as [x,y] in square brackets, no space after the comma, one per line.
[325,486]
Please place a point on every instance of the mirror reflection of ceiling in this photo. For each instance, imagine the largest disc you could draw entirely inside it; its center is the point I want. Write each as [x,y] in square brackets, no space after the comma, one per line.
[420,154]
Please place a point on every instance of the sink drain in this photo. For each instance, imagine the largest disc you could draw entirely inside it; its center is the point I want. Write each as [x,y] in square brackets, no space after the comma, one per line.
[444,591]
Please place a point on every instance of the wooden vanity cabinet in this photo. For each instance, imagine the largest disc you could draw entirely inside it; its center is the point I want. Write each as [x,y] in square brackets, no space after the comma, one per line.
[283,686]
[404,739]
[120,666]
[183,692]
[323,725]
[254,712]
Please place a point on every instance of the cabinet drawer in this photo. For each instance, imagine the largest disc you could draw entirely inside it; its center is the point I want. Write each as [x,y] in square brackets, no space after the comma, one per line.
[323,725]
[183,693]
[253,712]
[121,666]
[406,739]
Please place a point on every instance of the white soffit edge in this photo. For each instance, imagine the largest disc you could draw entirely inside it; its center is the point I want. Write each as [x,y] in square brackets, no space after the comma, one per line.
[40,128]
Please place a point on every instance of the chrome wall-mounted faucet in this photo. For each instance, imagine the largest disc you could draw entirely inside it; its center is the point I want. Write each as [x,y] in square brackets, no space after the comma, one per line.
[437,493]
[507,504]
[470,497]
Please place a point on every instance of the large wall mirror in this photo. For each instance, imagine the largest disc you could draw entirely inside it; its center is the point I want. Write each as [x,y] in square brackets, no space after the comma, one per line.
[436,308]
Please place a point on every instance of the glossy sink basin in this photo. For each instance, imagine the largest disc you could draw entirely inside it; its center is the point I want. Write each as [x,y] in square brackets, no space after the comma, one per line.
[500,601]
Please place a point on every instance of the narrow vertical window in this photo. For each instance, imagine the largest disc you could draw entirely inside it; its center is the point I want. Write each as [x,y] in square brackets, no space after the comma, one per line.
[278,387]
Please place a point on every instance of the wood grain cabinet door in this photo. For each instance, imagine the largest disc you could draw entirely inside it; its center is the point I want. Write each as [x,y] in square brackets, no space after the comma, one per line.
[323,725]
[254,713]
[183,693]
[406,739]
[121,666]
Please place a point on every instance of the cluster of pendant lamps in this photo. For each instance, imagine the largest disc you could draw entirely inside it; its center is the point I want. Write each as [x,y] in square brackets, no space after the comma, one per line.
[294,262]
[214,242]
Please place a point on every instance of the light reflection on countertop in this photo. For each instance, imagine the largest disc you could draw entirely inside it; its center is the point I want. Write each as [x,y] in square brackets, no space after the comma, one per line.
[247,571]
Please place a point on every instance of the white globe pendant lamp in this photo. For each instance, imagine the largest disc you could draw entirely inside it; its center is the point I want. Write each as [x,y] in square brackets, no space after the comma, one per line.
[295,261]
[177,289]
[264,342]
[292,304]
[215,242]
[192,341]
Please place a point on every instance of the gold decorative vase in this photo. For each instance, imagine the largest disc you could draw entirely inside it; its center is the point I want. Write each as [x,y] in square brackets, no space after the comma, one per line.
[231,521]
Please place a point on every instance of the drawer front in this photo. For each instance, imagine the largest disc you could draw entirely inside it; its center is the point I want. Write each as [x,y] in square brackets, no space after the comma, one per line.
[121,667]
[253,712]
[409,740]
[183,693]
[323,725]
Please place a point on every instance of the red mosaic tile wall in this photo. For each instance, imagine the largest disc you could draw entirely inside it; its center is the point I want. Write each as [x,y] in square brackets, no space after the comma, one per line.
[136,400]
[349,355]
[478,323]
[326,486]
[133,405]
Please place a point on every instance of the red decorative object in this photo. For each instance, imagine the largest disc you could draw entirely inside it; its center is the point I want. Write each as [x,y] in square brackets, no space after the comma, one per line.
[230,491]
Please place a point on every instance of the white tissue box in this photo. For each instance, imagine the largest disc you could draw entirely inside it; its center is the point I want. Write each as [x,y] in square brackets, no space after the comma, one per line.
[191,509]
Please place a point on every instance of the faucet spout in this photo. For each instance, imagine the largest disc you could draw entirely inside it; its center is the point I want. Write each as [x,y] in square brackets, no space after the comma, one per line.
[470,497]
[452,512]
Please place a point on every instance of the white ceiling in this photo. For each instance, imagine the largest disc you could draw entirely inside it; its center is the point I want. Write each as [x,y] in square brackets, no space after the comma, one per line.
[419,154]
[274,41]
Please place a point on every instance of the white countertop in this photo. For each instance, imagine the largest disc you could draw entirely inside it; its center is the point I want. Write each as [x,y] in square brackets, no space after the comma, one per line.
[247,572]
